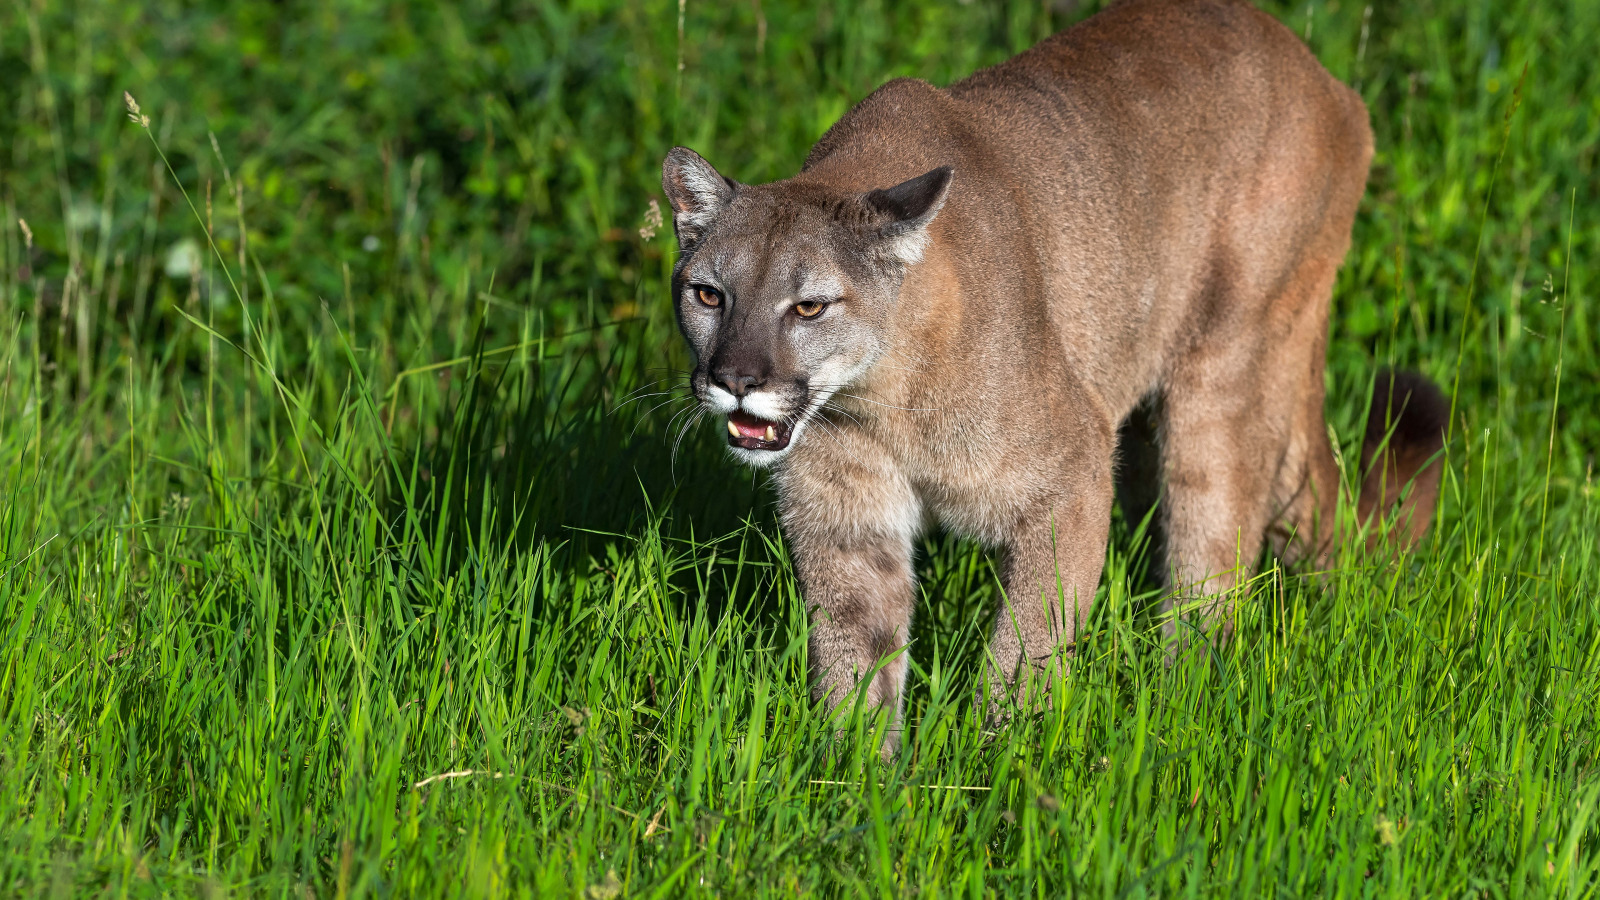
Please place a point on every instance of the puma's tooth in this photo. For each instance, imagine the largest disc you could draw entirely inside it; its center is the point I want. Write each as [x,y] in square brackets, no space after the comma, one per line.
[732,428]
[772,436]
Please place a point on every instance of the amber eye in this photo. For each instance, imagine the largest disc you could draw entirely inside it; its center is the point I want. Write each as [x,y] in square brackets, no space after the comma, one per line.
[707,296]
[809,309]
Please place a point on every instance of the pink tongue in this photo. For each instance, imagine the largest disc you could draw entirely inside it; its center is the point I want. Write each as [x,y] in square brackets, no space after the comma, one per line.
[750,431]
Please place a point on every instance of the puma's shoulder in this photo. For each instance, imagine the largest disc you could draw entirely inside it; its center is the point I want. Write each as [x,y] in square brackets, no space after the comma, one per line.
[895,112]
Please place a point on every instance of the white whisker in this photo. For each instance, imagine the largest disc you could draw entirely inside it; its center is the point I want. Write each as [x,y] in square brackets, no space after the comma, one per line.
[887,405]
[687,425]
[839,392]
[824,407]
[640,422]
[675,416]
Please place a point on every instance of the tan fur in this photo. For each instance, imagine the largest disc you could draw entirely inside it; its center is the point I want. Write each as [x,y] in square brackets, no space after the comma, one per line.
[1151,205]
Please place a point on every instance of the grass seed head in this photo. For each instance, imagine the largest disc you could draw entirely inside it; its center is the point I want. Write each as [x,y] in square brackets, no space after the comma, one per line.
[134,116]
[652,220]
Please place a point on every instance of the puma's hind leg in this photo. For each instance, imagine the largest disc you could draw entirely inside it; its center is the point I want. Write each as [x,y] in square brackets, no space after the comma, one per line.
[1305,493]
[1246,450]
[1305,486]
[1224,430]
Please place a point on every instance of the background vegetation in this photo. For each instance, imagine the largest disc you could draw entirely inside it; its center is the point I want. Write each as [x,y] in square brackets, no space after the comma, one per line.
[334,561]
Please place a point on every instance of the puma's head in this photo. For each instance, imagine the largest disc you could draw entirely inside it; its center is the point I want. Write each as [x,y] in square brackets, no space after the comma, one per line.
[784,290]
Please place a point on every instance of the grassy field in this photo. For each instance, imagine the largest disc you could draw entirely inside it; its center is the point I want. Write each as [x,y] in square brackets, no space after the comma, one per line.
[335,561]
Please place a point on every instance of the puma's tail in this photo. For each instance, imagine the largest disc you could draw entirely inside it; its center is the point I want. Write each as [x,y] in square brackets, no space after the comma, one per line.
[1400,458]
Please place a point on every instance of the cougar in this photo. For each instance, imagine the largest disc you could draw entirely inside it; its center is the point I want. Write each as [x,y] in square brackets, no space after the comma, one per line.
[951,310]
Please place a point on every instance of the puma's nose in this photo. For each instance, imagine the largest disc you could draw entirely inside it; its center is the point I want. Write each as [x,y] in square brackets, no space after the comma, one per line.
[737,384]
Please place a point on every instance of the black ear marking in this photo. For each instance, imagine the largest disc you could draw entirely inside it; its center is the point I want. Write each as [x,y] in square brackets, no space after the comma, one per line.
[900,215]
[697,192]
[914,203]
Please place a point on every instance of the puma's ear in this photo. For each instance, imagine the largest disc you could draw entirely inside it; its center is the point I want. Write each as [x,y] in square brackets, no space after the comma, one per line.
[902,213]
[697,192]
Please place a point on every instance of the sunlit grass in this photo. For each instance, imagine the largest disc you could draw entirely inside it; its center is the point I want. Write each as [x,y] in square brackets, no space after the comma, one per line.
[343,551]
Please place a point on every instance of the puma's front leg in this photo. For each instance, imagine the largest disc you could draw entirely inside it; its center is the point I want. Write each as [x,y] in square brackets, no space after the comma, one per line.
[852,553]
[1051,567]
[860,600]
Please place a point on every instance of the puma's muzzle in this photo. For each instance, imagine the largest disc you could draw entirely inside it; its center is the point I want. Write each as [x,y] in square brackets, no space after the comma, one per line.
[760,424]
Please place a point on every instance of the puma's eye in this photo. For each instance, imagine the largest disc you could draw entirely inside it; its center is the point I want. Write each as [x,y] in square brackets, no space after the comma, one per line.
[809,309]
[707,296]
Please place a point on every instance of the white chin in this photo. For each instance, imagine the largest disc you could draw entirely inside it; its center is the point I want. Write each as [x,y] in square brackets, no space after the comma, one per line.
[760,459]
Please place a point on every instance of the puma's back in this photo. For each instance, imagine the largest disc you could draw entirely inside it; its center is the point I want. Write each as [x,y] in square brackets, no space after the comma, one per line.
[948,312]
[1162,146]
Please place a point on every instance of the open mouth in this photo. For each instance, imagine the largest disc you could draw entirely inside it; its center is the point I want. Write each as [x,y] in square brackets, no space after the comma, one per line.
[755,433]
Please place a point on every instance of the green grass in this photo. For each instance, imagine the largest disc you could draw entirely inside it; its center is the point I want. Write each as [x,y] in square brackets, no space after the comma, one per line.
[356,500]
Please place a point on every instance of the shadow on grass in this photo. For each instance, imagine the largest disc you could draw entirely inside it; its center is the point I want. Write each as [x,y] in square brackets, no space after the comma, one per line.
[533,453]
[549,452]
